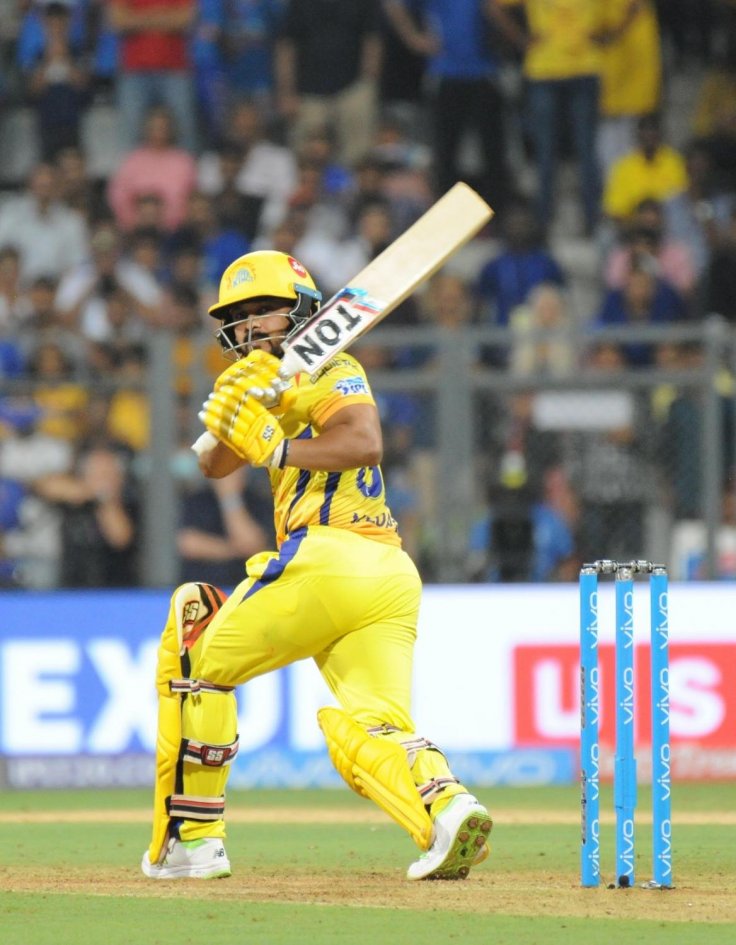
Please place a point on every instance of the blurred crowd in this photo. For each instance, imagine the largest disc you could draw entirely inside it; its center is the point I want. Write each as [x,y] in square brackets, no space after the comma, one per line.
[323,128]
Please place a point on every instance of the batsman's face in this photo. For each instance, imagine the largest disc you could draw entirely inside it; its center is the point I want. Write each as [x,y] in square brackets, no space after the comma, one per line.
[259,324]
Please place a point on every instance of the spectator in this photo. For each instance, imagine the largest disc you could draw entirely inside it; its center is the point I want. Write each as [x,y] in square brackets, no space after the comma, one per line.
[268,171]
[373,233]
[76,189]
[631,74]
[149,212]
[44,323]
[524,262]
[222,523]
[285,237]
[248,39]
[145,249]
[643,300]
[698,215]
[104,51]
[14,302]
[49,236]
[678,434]
[84,294]
[688,29]
[11,358]
[404,165]
[689,546]
[521,537]
[207,56]
[185,270]
[235,210]
[327,67]
[191,358]
[562,72]
[57,81]
[154,65]
[720,276]
[322,222]
[651,170]
[58,393]
[319,147]
[718,84]
[401,88]
[542,332]
[612,473]
[233,56]
[31,547]
[721,143]
[158,167]
[128,416]
[218,245]
[99,519]
[466,94]
[644,241]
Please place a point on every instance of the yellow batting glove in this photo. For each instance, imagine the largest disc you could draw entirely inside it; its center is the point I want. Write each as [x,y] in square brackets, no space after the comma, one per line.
[246,426]
[258,376]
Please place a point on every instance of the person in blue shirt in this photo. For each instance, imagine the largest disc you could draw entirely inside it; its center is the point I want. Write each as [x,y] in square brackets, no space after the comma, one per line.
[460,39]
[645,299]
[523,263]
[520,539]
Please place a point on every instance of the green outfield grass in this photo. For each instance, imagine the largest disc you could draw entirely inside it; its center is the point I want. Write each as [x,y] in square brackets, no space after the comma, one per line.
[69,875]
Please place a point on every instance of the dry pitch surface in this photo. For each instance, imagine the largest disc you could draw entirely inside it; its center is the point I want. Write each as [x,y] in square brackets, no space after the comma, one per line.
[518,893]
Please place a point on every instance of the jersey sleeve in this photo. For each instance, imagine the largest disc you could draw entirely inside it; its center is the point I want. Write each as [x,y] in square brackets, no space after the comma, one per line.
[342,383]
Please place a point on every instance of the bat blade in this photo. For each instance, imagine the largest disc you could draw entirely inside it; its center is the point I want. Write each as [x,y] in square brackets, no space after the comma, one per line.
[387,280]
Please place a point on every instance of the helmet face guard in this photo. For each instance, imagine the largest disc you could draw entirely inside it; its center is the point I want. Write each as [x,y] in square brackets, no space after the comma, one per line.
[227,333]
[267,276]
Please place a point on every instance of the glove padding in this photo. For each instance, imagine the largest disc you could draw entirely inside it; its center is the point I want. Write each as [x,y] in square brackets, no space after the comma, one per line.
[257,375]
[244,424]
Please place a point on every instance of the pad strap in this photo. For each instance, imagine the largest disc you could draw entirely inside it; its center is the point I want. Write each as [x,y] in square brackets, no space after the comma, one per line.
[431,789]
[212,756]
[196,685]
[194,807]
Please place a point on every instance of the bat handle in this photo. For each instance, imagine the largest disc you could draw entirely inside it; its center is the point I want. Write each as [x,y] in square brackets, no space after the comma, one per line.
[289,366]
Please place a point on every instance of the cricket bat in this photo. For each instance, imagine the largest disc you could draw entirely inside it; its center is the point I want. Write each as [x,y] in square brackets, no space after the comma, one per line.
[386,281]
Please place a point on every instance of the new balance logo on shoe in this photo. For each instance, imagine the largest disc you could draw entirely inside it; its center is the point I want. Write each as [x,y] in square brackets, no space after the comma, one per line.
[190,859]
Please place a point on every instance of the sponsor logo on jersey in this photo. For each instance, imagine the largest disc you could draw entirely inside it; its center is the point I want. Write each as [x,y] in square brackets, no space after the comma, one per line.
[351,385]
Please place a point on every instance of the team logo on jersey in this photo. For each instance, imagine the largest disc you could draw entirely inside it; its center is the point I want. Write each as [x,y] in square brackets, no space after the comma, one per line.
[351,385]
[297,267]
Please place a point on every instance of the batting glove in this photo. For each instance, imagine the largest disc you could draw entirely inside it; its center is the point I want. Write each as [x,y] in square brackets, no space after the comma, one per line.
[246,426]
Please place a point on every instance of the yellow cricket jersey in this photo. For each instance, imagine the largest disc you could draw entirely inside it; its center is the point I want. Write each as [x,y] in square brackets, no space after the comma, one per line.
[631,65]
[354,499]
[633,178]
[561,31]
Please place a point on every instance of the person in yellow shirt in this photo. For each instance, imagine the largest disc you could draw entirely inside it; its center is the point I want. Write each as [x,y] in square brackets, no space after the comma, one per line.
[562,70]
[631,74]
[339,589]
[652,170]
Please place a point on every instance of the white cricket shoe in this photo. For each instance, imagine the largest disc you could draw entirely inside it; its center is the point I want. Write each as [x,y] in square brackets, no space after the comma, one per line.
[190,859]
[460,841]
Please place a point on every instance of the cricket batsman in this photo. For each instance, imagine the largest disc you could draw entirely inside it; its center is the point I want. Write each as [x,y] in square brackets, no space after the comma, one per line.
[339,589]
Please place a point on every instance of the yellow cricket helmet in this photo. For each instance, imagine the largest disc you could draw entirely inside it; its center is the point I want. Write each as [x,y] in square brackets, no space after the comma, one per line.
[264,274]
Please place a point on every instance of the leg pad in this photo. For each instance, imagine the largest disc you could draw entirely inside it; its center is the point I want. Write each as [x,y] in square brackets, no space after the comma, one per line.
[377,769]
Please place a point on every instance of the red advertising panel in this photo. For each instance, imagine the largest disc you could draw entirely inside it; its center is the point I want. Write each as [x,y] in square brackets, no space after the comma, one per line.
[702,702]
